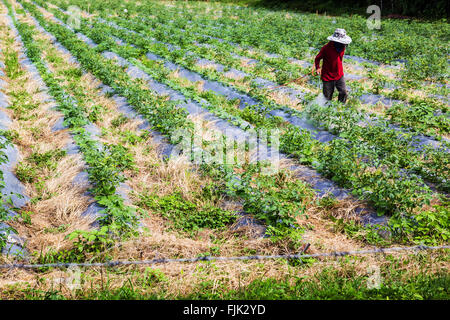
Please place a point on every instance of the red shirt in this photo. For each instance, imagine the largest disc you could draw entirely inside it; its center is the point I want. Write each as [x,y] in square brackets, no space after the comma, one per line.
[332,62]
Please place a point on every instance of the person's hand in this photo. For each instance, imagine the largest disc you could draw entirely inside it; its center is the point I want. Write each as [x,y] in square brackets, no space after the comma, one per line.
[315,71]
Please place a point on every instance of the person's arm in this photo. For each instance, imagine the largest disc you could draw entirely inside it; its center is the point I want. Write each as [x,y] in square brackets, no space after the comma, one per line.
[317,61]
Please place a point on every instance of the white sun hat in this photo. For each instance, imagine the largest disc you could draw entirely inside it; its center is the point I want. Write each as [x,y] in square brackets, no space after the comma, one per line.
[340,36]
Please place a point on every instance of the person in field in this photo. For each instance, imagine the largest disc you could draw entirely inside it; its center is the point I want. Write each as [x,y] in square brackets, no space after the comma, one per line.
[332,72]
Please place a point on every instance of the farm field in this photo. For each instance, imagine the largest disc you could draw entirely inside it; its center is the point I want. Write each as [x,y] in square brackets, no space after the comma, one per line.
[141,130]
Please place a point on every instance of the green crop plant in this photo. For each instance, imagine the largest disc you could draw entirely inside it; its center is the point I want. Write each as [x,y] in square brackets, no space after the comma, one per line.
[186,215]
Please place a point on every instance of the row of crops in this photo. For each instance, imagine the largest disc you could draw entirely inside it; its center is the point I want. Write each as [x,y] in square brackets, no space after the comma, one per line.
[166,72]
[291,34]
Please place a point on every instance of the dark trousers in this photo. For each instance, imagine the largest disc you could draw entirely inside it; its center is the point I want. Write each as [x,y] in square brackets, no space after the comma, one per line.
[328,89]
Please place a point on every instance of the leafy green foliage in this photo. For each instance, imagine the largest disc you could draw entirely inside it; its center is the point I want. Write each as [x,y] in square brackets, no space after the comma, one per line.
[288,237]
[46,159]
[271,198]
[420,116]
[87,245]
[298,142]
[186,215]
[331,285]
[433,66]
[430,227]
[26,172]
[120,120]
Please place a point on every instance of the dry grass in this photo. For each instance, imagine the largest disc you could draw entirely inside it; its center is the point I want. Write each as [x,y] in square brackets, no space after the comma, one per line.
[245,62]
[182,279]
[378,108]
[207,66]
[233,75]
[283,99]
[175,75]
